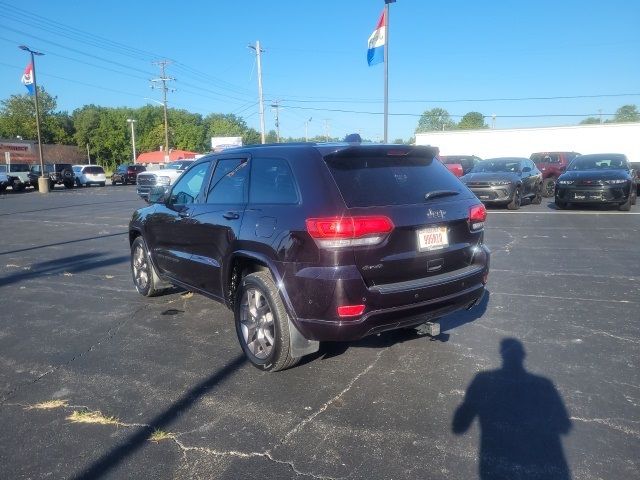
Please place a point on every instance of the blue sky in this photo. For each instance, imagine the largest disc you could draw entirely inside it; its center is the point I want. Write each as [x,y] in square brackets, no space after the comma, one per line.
[315,58]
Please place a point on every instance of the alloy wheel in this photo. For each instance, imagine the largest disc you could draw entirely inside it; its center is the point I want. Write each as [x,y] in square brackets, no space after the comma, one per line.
[256,322]
[140,268]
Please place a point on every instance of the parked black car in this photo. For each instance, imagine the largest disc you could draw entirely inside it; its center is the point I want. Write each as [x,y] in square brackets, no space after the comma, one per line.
[604,178]
[125,174]
[308,242]
[58,173]
[505,181]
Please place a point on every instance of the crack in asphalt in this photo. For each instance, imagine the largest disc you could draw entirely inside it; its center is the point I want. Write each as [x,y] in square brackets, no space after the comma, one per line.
[109,335]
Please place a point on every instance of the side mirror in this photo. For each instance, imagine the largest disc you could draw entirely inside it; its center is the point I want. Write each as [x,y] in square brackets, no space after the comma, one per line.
[526,169]
[157,194]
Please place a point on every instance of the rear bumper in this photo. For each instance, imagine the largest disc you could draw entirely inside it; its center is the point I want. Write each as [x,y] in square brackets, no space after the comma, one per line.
[316,295]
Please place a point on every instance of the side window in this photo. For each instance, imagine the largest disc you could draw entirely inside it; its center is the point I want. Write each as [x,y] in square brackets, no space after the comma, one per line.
[272,182]
[229,180]
[188,187]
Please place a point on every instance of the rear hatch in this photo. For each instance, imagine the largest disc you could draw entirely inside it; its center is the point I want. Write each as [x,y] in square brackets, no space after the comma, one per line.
[427,205]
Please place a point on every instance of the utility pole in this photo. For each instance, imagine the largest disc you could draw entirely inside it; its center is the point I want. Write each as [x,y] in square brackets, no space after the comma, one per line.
[133,137]
[306,129]
[260,99]
[275,105]
[43,183]
[326,129]
[164,79]
[88,154]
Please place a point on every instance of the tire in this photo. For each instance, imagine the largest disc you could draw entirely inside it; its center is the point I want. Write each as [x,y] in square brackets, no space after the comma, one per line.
[626,206]
[52,185]
[561,205]
[515,203]
[68,184]
[145,278]
[78,183]
[537,199]
[3,188]
[113,183]
[548,187]
[35,185]
[264,336]
[634,199]
[102,184]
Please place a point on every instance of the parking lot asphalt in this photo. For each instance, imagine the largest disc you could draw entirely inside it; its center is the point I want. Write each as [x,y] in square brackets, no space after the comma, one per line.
[538,381]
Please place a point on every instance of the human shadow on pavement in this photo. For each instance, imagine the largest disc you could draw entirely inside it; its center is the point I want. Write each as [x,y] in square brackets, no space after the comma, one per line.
[106,463]
[521,419]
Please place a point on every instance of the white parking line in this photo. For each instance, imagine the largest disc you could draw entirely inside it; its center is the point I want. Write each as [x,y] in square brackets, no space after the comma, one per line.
[563,212]
[562,298]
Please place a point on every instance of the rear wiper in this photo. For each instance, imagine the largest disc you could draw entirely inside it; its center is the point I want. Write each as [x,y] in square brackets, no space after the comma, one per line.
[440,193]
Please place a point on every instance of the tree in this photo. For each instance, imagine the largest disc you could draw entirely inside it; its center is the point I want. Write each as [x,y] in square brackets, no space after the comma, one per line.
[472,121]
[627,113]
[590,121]
[18,118]
[435,119]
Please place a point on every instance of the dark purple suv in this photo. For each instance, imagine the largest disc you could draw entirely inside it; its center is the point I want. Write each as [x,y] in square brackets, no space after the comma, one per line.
[307,243]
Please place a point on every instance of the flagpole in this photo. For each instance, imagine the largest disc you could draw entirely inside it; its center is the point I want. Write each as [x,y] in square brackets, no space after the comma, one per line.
[386,71]
[43,183]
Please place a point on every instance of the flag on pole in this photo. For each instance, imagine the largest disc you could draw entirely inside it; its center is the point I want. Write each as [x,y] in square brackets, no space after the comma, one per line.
[375,54]
[27,78]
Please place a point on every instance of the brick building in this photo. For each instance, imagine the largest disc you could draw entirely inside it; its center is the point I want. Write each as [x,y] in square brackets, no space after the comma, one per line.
[26,151]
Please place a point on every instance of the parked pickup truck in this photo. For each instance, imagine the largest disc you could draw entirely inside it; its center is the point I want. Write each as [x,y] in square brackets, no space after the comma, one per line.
[552,165]
[165,177]
[18,175]
[4,180]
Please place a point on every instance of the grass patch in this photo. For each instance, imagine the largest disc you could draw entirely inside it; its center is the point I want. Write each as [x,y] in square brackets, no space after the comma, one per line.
[159,435]
[92,417]
[48,405]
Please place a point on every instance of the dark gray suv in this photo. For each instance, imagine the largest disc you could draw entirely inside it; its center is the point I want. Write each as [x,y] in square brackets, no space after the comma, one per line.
[309,243]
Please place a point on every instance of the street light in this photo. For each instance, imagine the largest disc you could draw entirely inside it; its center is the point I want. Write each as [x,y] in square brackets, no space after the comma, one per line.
[43,183]
[133,138]
[306,129]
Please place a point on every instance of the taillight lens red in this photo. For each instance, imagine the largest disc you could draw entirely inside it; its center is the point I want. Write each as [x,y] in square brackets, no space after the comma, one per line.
[349,231]
[350,310]
[477,216]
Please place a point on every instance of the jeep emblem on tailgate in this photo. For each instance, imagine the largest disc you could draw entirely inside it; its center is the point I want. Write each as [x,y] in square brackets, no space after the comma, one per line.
[436,213]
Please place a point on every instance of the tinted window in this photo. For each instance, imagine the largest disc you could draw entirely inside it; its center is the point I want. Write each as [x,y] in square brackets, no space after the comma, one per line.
[272,182]
[228,182]
[388,179]
[18,167]
[188,187]
[93,170]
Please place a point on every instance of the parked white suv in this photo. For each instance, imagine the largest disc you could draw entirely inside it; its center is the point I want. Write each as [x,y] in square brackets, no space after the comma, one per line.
[89,174]
[165,177]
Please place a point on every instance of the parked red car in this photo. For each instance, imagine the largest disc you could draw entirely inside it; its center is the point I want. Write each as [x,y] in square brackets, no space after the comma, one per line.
[552,165]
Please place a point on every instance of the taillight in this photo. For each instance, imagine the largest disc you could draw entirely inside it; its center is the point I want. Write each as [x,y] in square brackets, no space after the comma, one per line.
[334,232]
[477,217]
[350,310]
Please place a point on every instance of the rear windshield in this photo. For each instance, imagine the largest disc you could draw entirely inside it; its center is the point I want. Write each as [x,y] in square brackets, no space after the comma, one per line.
[136,168]
[93,170]
[388,179]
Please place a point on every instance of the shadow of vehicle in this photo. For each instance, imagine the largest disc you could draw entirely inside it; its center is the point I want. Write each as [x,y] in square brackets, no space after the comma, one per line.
[521,418]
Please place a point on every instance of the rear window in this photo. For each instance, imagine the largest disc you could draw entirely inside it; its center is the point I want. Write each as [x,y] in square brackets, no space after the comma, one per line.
[136,168]
[383,179]
[93,170]
[18,167]
[545,158]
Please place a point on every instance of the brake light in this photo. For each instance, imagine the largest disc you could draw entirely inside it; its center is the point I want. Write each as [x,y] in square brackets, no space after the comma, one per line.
[477,216]
[336,232]
[350,310]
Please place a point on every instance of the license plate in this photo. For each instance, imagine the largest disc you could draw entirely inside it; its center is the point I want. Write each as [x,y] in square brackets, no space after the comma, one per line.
[483,197]
[579,196]
[432,238]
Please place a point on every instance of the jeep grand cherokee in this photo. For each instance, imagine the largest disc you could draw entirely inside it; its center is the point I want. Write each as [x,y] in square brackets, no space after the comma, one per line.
[307,243]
